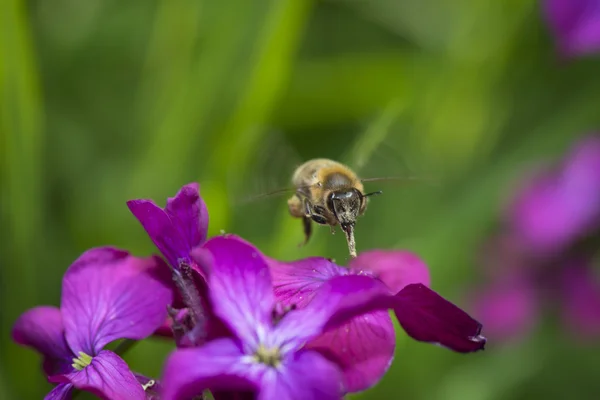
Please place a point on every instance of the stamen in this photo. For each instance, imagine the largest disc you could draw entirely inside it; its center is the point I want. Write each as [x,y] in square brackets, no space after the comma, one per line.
[270,357]
[82,361]
[149,384]
[184,281]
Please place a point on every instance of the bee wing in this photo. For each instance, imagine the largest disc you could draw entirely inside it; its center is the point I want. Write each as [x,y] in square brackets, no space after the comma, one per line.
[377,151]
[270,172]
[260,196]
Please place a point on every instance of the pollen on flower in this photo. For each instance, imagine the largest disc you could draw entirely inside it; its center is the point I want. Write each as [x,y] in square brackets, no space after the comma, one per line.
[268,356]
[82,361]
[149,384]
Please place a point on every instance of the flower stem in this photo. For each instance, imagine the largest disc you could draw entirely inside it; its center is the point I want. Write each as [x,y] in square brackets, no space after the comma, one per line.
[124,346]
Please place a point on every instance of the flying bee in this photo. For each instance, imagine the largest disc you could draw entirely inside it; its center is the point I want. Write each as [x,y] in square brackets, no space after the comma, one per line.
[328,193]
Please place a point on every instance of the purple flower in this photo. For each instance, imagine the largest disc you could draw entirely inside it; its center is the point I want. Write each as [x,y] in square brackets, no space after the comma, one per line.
[268,354]
[575,24]
[107,294]
[175,230]
[364,345]
[580,290]
[508,306]
[562,205]
[552,230]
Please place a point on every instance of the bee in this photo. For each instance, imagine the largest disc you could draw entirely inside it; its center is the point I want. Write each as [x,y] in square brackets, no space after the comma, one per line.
[329,193]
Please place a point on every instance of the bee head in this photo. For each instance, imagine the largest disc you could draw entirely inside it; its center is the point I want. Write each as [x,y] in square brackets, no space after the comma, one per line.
[345,206]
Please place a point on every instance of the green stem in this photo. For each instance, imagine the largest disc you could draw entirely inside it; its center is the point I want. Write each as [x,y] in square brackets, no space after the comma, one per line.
[124,346]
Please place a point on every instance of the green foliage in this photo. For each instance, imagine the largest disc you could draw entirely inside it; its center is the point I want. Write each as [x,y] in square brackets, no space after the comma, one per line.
[103,101]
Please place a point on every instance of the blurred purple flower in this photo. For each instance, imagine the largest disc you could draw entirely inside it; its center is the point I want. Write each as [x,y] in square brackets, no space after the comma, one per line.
[581,294]
[552,230]
[508,306]
[560,206]
[364,346]
[107,294]
[575,25]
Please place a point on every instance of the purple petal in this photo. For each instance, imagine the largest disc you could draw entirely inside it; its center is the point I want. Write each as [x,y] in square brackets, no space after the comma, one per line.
[394,268]
[428,317]
[508,308]
[338,301]
[296,282]
[576,25]
[107,376]
[363,348]
[108,294]
[240,285]
[217,365]
[581,290]
[308,376]
[152,387]
[42,329]
[424,315]
[559,207]
[177,229]
[189,214]
[62,391]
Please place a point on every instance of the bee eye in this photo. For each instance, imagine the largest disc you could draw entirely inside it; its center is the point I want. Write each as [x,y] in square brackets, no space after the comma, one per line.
[319,219]
[319,210]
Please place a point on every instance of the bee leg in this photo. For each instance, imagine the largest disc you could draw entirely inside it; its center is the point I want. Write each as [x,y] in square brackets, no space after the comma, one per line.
[332,229]
[307,225]
[307,208]
[296,207]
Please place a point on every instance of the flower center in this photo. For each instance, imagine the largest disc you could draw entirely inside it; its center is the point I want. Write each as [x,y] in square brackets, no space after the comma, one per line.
[82,361]
[270,357]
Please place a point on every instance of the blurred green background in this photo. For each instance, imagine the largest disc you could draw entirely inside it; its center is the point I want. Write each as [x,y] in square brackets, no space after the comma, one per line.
[104,101]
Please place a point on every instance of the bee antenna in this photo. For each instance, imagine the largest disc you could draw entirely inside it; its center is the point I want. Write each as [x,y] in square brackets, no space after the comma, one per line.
[377,193]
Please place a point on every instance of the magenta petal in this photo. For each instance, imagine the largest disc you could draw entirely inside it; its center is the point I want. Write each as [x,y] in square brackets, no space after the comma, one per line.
[296,282]
[309,376]
[188,212]
[576,25]
[108,294]
[240,285]
[363,348]
[153,388]
[508,308]
[42,329]
[217,365]
[62,391]
[177,229]
[394,268]
[338,301]
[428,317]
[581,291]
[108,377]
